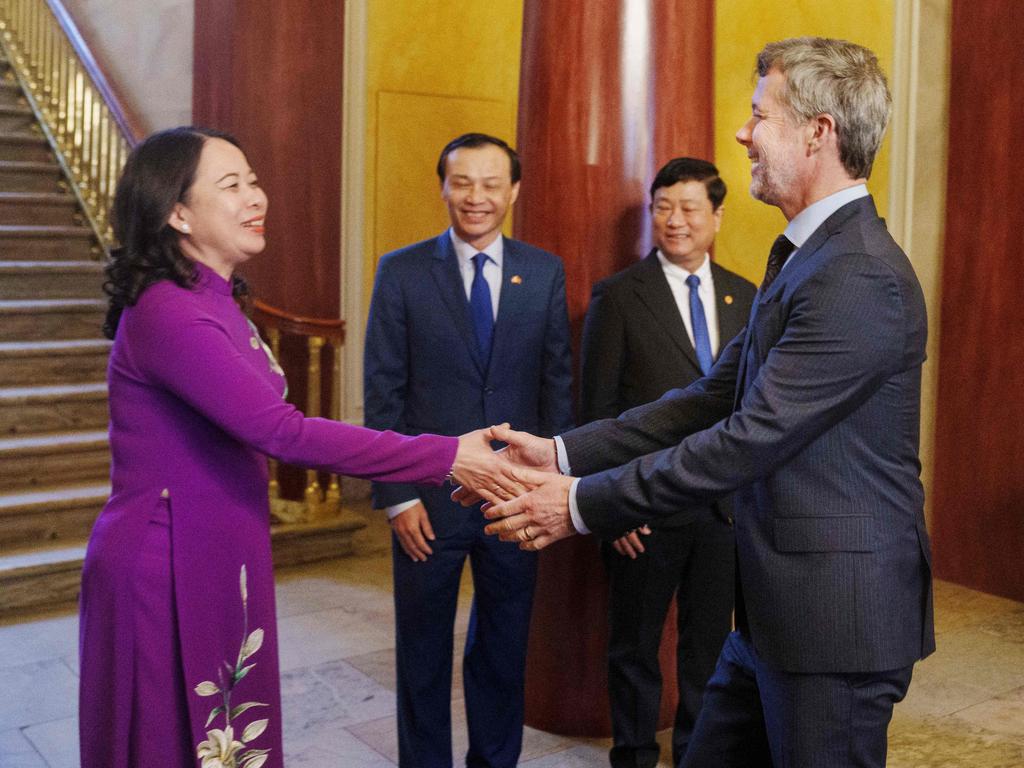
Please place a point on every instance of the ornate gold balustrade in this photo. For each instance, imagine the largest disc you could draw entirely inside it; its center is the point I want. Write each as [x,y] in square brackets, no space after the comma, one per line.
[92,134]
[79,111]
[318,504]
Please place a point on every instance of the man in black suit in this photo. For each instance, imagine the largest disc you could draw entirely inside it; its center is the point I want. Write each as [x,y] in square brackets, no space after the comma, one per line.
[811,415]
[655,326]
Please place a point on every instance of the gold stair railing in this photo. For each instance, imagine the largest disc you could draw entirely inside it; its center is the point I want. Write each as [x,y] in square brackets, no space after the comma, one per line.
[318,505]
[79,112]
[92,134]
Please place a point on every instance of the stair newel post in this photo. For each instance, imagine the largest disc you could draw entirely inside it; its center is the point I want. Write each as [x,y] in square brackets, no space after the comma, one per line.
[275,346]
[332,500]
[313,497]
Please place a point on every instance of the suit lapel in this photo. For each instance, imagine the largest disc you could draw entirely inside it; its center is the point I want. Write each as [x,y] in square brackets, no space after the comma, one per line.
[654,293]
[445,271]
[731,317]
[863,206]
[515,281]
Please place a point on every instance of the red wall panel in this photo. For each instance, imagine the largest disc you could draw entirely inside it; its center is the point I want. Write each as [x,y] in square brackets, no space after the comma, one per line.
[273,77]
[978,496]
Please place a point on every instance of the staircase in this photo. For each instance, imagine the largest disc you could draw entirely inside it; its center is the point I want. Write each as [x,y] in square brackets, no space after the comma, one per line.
[54,458]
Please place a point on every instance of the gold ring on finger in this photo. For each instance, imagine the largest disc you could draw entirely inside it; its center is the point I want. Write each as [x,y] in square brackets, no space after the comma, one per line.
[527,534]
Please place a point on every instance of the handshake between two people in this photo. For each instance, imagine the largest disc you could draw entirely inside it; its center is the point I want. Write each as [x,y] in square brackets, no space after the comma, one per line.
[525,495]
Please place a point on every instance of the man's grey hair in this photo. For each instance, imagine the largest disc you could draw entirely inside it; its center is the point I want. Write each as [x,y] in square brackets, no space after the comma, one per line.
[839,78]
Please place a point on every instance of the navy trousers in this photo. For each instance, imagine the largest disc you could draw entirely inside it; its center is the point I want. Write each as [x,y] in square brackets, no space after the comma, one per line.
[757,716]
[494,659]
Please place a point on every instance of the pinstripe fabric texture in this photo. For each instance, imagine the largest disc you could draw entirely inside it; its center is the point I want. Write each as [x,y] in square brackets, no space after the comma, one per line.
[811,416]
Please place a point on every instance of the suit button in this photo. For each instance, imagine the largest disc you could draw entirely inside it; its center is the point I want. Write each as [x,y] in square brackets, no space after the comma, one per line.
[729,520]
[489,391]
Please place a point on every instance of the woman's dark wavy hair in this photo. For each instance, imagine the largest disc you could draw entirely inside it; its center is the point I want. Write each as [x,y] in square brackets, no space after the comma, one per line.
[158,175]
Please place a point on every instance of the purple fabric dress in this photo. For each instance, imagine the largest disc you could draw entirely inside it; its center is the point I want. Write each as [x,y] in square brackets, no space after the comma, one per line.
[178,639]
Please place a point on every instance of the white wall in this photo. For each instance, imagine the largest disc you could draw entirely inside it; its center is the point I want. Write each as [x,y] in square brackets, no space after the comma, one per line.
[145,51]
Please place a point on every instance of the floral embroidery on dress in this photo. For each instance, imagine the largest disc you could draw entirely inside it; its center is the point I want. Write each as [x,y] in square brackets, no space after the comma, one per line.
[222,749]
[257,341]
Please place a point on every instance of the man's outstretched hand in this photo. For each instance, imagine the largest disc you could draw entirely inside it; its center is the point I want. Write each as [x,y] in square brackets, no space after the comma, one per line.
[522,449]
[538,517]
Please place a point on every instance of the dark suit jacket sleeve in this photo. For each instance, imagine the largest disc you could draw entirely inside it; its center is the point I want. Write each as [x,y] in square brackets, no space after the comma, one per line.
[842,340]
[647,428]
[385,374]
[556,386]
[602,357]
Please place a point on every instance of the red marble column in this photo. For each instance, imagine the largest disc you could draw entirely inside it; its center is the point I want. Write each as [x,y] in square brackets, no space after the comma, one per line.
[609,91]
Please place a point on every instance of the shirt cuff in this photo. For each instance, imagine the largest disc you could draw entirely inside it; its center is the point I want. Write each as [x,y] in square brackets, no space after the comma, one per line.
[396,509]
[563,456]
[574,509]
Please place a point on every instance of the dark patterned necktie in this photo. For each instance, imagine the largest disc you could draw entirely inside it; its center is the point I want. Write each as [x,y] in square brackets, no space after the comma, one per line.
[780,251]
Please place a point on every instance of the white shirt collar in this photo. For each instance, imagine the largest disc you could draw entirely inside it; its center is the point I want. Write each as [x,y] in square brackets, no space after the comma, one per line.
[810,218]
[466,252]
[703,271]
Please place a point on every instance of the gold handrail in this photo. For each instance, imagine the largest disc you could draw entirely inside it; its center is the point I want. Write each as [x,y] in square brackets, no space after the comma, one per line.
[318,505]
[80,115]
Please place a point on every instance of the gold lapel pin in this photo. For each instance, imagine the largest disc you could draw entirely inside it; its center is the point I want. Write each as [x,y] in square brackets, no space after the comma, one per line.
[728,299]
[516,280]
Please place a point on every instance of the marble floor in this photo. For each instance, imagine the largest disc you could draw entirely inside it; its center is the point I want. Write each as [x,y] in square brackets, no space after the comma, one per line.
[965,708]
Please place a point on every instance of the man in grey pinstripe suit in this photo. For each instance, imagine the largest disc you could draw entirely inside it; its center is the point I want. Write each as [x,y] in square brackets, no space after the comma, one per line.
[811,416]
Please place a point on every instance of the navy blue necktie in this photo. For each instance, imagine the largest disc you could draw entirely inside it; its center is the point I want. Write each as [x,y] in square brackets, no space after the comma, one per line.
[480,306]
[701,339]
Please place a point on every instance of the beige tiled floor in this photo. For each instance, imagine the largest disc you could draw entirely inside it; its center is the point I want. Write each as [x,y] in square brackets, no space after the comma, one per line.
[965,708]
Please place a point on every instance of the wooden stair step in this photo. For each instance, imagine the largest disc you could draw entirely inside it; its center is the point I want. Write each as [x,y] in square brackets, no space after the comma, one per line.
[40,577]
[42,242]
[11,94]
[62,513]
[39,208]
[23,145]
[15,117]
[45,319]
[53,362]
[54,408]
[50,576]
[35,461]
[30,176]
[51,279]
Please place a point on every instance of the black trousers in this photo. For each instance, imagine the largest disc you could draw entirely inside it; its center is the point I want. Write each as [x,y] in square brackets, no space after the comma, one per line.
[694,562]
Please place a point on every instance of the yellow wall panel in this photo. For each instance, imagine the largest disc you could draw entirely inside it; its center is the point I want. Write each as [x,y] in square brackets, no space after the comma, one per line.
[742,27]
[434,69]
[411,130]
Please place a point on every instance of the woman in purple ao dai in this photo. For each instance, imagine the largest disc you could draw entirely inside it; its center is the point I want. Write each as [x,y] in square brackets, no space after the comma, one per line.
[178,639]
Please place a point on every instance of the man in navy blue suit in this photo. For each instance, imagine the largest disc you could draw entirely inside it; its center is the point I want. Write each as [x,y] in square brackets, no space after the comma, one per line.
[466,329]
[811,416]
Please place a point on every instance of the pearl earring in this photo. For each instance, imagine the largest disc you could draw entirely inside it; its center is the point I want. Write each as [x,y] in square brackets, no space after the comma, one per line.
[185,227]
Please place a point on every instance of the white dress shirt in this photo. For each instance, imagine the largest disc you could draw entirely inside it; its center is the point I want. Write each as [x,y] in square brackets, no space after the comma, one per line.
[797,231]
[465,252]
[676,277]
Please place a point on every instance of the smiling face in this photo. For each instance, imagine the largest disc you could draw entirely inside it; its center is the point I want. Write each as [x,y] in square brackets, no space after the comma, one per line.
[777,147]
[222,217]
[478,191]
[683,223]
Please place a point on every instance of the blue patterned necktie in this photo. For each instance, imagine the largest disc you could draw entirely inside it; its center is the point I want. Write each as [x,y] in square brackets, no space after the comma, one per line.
[480,306]
[701,339]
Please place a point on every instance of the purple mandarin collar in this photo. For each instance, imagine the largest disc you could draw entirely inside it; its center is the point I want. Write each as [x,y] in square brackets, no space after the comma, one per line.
[211,280]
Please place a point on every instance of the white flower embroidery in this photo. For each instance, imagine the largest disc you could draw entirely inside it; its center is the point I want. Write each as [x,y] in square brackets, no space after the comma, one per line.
[221,749]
